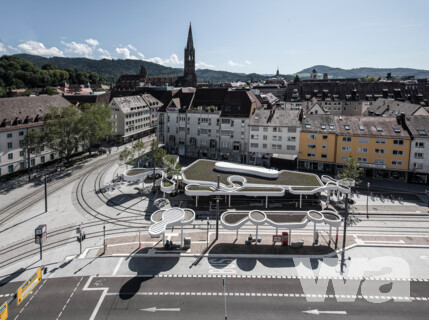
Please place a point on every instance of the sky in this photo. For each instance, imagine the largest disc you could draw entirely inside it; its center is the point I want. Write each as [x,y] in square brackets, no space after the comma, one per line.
[237,36]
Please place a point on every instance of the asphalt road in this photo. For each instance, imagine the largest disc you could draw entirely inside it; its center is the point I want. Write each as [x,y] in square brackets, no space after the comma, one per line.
[118,297]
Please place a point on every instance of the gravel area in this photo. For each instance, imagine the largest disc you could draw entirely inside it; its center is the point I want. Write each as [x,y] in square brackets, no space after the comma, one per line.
[287,218]
[256,215]
[330,216]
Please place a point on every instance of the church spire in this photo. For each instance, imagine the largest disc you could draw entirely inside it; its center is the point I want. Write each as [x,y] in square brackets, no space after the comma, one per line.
[190,43]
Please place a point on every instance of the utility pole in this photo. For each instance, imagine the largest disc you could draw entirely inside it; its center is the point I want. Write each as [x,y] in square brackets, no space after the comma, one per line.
[208,225]
[217,209]
[367,196]
[40,248]
[104,238]
[345,230]
[46,193]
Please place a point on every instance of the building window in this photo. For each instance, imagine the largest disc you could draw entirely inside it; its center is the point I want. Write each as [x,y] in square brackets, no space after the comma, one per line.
[290,148]
[420,144]
[397,163]
[308,125]
[418,165]
[324,156]
[264,146]
[265,137]
[311,146]
[363,140]
[398,152]
[347,139]
[42,159]
[254,145]
[21,133]
[9,145]
[311,155]
[22,165]
[21,153]
[380,141]
[398,142]
[325,137]
[379,151]
[379,161]
[324,146]
[344,158]
[363,150]
[226,121]
[254,129]
[362,159]
[418,155]
[52,156]
[254,137]
[346,149]
[10,168]
[312,136]
[291,139]
[9,135]
[10,156]
[291,129]
[265,129]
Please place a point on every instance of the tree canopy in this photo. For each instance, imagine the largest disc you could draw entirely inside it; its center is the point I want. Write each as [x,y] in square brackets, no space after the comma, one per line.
[351,170]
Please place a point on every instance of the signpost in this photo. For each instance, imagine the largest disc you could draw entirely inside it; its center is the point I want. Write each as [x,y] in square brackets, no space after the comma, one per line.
[41,235]
[4,311]
[28,286]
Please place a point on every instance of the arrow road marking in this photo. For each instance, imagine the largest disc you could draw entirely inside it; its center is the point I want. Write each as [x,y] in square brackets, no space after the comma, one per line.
[315,311]
[154,309]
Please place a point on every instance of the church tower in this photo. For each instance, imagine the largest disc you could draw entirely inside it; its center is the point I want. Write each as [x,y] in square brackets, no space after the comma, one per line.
[189,76]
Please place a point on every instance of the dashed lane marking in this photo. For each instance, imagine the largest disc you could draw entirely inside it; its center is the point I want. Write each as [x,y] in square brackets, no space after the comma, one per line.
[68,300]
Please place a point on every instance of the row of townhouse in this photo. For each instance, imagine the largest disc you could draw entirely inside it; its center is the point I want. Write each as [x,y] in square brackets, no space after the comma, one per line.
[17,116]
[208,123]
[386,147]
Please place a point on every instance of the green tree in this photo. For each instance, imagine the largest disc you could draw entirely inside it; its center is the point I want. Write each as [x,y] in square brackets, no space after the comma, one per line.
[51,91]
[156,154]
[139,148]
[2,92]
[96,123]
[94,78]
[126,156]
[297,79]
[351,170]
[173,168]
[64,131]
[32,143]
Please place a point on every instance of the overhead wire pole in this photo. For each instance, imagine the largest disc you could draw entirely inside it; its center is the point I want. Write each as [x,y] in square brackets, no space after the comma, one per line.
[46,194]
[217,209]
[344,233]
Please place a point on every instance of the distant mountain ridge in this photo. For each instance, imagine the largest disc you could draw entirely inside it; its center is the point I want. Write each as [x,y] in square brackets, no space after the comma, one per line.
[363,72]
[112,69]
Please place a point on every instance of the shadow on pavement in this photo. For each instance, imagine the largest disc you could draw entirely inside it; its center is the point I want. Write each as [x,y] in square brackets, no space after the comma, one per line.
[151,266]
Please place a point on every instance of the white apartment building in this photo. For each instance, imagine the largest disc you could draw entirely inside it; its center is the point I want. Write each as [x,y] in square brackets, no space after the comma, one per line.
[17,116]
[418,127]
[273,133]
[135,117]
[210,123]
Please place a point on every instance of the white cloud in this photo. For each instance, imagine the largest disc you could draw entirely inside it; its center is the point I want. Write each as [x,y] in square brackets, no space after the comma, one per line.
[203,65]
[247,62]
[125,54]
[141,55]
[38,48]
[104,54]
[174,59]
[234,64]
[92,42]
[12,48]
[3,49]
[131,47]
[80,49]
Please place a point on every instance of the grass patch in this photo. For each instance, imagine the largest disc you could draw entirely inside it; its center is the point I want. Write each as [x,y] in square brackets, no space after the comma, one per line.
[259,189]
[203,170]
[196,188]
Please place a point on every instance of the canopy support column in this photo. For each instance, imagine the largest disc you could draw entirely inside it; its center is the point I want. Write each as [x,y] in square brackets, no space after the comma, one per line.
[236,234]
[300,201]
[181,237]
[196,201]
[229,202]
[256,242]
[289,239]
[336,239]
[330,235]
[163,239]
[266,202]
[314,234]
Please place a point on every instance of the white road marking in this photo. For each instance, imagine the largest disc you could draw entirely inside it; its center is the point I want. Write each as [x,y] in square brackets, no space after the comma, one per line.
[115,271]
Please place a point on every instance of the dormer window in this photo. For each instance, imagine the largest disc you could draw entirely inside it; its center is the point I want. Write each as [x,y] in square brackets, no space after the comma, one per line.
[379,129]
[308,125]
[361,128]
[347,127]
[331,127]
[323,126]
[396,130]
[422,132]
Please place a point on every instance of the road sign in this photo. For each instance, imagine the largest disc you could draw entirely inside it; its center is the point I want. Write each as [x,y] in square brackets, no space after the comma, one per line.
[29,285]
[4,311]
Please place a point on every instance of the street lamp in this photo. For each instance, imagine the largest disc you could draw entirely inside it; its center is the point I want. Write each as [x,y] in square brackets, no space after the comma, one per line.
[46,191]
[345,230]
[367,197]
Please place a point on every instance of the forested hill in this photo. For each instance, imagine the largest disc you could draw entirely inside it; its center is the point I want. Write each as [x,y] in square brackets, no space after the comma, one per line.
[339,73]
[112,69]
